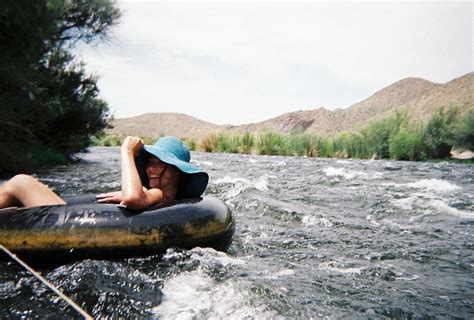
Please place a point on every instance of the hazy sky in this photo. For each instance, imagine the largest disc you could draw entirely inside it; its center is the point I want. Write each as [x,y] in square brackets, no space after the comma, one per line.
[234,63]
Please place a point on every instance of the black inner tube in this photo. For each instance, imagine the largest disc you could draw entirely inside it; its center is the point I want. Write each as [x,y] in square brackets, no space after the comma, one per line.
[85,229]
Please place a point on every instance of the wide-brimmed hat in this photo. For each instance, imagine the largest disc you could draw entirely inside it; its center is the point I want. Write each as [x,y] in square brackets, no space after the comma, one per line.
[173,151]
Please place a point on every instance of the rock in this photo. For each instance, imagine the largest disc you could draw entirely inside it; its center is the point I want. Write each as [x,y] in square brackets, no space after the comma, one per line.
[462,154]
[391,167]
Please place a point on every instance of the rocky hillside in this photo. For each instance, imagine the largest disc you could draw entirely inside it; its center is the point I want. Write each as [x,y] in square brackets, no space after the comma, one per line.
[419,97]
[157,124]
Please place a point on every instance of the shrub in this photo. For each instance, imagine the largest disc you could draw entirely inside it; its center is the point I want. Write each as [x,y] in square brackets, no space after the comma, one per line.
[404,145]
[148,140]
[247,142]
[191,144]
[112,140]
[209,143]
[271,143]
[463,132]
[438,133]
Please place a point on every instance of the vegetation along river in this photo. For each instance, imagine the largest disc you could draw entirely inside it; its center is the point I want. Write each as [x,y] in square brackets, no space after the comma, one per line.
[314,238]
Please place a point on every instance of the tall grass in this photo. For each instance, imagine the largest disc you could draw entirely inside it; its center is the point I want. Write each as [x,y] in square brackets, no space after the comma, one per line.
[395,137]
[272,143]
[116,140]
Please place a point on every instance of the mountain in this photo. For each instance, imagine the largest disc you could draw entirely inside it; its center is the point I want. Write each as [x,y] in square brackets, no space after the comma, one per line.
[421,99]
[156,124]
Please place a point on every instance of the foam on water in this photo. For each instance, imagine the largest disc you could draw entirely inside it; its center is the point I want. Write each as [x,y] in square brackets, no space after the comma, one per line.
[334,266]
[343,161]
[435,185]
[372,221]
[414,277]
[195,295]
[206,256]
[281,274]
[202,163]
[419,218]
[53,180]
[279,164]
[321,221]
[350,174]
[239,185]
[405,203]
[443,208]
[427,204]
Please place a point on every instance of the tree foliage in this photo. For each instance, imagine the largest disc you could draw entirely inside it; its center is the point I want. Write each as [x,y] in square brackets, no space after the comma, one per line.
[438,134]
[463,132]
[48,102]
[404,145]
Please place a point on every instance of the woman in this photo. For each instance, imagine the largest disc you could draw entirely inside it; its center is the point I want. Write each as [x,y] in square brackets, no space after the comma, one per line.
[151,174]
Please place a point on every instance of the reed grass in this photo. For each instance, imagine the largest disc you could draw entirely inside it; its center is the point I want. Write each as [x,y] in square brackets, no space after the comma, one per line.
[395,137]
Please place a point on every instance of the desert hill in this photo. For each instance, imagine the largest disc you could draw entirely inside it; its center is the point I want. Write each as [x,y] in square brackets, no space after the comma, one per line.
[421,98]
[156,124]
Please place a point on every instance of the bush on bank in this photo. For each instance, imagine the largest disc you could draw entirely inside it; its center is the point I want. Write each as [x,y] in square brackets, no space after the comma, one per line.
[395,137]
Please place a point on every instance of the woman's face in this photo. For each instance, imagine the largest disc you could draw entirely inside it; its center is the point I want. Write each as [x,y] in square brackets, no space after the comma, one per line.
[160,174]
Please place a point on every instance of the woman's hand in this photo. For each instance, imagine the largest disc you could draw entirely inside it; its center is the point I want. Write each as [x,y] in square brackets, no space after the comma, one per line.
[110,197]
[132,145]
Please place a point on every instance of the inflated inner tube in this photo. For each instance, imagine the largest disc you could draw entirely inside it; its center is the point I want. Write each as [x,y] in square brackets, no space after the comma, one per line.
[85,229]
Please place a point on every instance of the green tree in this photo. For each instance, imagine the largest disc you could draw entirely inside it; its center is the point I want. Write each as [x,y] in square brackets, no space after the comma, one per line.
[438,133]
[48,101]
[404,145]
[342,144]
[463,132]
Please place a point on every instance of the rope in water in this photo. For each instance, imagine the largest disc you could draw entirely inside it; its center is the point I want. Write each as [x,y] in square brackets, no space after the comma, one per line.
[68,300]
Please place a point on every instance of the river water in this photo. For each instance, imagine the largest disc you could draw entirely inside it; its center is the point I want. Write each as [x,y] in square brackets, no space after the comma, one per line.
[315,238]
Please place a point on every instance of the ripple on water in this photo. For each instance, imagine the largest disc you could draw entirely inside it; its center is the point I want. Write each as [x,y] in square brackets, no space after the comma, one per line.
[231,187]
[436,185]
[107,287]
[349,174]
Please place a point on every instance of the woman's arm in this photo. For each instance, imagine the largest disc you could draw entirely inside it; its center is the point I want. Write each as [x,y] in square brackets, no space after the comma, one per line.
[134,195]
[109,197]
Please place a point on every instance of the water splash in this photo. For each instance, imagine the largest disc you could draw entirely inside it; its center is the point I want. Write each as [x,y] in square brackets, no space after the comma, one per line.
[435,185]
[350,174]
[239,185]
[195,295]
[444,208]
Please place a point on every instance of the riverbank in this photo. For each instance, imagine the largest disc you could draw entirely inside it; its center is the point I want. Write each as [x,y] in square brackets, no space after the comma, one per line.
[395,138]
[26,158]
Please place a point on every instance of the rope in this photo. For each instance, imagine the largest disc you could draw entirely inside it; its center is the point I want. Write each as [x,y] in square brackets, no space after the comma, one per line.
[68,300]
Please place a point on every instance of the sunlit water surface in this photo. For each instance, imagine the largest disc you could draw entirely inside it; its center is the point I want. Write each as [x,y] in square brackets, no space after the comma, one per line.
[314,238]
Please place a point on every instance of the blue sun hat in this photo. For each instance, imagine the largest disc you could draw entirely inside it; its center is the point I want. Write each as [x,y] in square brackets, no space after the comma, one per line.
[173,151]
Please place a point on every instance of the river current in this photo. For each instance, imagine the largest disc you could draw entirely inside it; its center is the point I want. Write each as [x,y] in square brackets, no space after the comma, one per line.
[315,238]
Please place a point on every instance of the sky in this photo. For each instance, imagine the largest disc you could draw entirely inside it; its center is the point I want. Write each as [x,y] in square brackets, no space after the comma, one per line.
[245,62]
